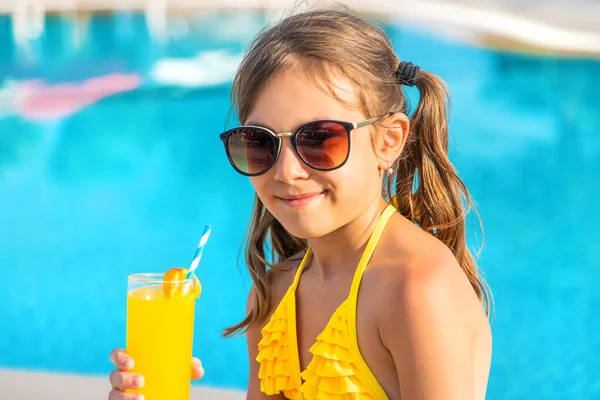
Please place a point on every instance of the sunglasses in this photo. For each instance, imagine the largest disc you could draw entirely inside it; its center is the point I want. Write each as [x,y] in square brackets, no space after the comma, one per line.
[323,145]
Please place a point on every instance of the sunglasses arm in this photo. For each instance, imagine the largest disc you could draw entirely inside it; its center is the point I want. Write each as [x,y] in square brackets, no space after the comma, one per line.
[371,120]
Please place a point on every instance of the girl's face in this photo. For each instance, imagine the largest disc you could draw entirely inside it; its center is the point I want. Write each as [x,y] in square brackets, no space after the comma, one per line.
[311,203]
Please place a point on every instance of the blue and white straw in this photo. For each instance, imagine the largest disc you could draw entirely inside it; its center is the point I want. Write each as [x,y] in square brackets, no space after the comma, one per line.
[198,253]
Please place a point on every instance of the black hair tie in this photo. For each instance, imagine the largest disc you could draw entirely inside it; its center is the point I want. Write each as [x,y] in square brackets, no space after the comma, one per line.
[407,73]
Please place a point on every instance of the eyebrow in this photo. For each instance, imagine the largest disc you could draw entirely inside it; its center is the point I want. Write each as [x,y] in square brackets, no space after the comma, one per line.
[252,123]
[318,118]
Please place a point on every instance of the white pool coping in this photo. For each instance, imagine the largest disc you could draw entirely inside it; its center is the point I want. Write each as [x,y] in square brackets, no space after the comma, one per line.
[533,24]
[28,385]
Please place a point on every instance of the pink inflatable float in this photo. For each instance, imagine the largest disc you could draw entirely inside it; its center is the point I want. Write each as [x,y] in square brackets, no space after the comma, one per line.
[37,100]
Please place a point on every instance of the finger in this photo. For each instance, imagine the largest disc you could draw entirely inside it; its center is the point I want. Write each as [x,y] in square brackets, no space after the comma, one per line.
[126,380]
[121,360]
[197,369]
[116,394]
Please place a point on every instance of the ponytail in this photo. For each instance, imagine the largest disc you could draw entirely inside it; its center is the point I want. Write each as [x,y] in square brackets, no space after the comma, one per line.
[429,191]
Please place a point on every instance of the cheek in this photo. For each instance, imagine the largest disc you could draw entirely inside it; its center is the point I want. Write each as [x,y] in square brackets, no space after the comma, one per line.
[359,180]
[363,164]
[259,183]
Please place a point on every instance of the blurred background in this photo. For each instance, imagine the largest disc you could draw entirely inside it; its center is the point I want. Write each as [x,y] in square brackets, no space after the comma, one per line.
[110,164]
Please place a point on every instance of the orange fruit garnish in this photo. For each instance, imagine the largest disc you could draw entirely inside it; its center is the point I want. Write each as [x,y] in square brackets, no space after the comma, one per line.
[172,288]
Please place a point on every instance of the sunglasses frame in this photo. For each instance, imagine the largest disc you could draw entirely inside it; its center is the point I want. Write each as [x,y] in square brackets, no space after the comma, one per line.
[277,138]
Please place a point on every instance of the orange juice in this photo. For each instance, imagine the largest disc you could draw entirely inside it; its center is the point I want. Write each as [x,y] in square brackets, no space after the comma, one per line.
[160,332]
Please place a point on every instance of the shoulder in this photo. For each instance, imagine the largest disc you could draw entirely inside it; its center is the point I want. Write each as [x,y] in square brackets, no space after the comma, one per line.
[281,276]
[412,279]
[278,279]
[428,316]
[432,281]
[419,280]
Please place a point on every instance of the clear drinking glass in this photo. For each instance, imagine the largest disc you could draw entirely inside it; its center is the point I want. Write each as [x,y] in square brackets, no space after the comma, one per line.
[160,331]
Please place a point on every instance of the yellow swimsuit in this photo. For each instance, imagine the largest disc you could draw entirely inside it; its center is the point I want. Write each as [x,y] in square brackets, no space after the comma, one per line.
[337,370]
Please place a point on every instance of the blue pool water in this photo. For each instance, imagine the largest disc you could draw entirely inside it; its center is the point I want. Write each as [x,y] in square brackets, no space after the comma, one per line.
[127,183]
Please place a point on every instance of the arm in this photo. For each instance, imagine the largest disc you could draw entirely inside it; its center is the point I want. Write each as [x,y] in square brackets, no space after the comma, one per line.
[428,329]
[253,336]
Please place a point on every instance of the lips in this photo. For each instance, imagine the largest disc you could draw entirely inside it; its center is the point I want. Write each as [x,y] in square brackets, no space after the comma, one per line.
[299,196]
[300,199]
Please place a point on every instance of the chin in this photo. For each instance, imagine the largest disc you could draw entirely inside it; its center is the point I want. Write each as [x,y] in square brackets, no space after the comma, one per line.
[304,232]
[306,225]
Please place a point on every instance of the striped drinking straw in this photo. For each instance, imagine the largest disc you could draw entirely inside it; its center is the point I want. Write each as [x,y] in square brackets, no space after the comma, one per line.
[198,253]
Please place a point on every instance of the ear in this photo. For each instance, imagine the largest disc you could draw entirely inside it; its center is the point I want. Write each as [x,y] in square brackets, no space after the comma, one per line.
[391,138]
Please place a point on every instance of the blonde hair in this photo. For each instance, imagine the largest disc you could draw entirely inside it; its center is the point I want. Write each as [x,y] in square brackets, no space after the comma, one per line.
[338,39]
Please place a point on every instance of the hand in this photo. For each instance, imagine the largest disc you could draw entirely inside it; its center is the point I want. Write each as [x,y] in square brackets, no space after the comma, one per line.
[122,380]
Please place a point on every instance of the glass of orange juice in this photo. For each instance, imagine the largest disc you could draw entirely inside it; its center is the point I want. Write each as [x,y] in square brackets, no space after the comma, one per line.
[160,331]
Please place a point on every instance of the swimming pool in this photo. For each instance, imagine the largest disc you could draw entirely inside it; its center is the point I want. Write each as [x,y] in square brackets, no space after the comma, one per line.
[113,165]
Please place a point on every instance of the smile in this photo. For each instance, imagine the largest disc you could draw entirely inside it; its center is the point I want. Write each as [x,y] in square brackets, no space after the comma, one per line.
[301,200]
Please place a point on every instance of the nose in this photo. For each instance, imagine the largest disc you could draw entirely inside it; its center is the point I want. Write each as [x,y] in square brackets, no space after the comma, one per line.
[289,166]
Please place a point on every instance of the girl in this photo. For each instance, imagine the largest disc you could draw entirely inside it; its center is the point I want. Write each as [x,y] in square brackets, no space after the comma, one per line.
[373,293]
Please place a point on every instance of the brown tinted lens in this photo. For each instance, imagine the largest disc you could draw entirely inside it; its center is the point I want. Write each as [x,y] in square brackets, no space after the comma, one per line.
[323,145]
[252,150]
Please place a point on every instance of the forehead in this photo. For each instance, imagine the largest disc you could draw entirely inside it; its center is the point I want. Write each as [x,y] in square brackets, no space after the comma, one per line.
[293,97]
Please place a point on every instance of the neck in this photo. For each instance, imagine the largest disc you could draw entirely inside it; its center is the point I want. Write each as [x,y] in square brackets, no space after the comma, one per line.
[340,251]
